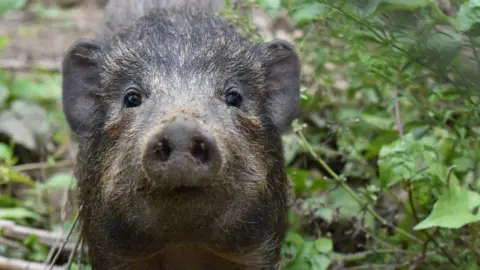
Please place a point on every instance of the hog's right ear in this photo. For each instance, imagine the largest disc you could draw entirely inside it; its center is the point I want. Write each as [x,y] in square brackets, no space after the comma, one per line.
[81,79]
[283,82]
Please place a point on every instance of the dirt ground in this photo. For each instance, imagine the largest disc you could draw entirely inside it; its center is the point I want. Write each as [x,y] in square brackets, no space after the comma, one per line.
[40,35]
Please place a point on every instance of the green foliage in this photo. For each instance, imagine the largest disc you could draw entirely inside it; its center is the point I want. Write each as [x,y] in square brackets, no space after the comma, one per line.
[361,158]
[452,210]
[38,252]
[468,19]
[17,213]
[384,158]
[305,13]
[271,6]
[400,160]
[5,152]
[7,5]
[306,254]
[58,181]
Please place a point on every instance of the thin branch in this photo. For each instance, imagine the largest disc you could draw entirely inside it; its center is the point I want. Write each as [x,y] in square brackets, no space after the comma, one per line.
[362,255]
[13,244]
[352,193]
[80,255]
[410,199]
[65,242]
[28,65]
[443,250]
[395,97]
[449,175]
[42,166]
[431,238]
[72,254]
[378,266]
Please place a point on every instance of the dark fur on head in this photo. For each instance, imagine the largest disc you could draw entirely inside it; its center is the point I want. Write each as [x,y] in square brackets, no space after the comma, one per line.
[182,60]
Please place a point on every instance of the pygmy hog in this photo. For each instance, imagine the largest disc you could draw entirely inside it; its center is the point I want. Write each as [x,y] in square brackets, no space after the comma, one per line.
[179,122]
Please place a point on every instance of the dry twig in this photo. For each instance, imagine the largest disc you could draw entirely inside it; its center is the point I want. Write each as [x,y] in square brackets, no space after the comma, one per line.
[14,264]
[42,166]
[28,65]
[48,238]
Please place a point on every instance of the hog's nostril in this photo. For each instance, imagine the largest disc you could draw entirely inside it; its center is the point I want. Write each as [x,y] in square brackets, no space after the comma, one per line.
[200,150]
[182,153]
[163,149]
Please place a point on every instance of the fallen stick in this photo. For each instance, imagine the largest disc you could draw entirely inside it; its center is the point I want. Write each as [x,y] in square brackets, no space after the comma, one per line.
[15,264]
[27,65]
[48,238]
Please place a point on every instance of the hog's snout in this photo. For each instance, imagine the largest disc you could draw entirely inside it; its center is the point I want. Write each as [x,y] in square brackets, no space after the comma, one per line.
[182,154]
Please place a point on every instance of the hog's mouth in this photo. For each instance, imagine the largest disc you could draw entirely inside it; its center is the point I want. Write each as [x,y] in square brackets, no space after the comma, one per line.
[188,190]
[181,190]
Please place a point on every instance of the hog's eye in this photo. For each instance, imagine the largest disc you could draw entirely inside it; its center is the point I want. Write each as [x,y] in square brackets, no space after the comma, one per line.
[132,98]
[233,98]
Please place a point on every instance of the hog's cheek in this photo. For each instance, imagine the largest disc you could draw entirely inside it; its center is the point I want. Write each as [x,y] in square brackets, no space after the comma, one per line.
[247,160]
[121,163]
[111,184]
[121,178]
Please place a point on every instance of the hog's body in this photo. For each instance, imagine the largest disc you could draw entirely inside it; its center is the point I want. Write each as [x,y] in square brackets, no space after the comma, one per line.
[179,121]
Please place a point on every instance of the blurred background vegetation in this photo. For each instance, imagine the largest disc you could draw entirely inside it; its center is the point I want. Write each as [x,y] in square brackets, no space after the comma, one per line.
[384,158]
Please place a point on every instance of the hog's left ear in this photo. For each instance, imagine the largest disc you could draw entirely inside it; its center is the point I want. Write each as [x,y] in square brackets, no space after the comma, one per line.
[283,82]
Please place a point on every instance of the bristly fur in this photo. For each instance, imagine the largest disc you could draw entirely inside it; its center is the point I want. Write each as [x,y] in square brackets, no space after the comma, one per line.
[181,59]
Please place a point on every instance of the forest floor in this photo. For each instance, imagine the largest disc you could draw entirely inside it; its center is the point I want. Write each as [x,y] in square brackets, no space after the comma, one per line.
[40,35]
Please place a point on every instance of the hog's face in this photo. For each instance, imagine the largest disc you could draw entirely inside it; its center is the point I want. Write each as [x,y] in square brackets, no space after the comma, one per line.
[191,118]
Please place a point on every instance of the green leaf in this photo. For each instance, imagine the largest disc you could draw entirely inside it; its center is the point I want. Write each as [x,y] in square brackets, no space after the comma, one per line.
[389,5]
[468,18]
[452,210]
[290,147]
[320,262]
[376,7]
[58,181]
[6,5]
[294,238]
[8,201]
[377,121]
[324,245]
[18,213]
[362,8]
[9,175]
[272,6]
[37,87]
[4,41]
[3,93]
[81,266]
[308,12]
[14,128]
[347,205]
[5,152]
[463,164]
[399,160]
[406,3]
[307,254]
[446,44]
[324,213]
[296,245]
[304,183]
[473,200]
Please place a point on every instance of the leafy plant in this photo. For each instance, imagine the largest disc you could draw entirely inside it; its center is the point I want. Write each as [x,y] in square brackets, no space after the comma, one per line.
[384,158]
